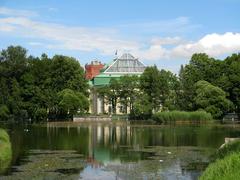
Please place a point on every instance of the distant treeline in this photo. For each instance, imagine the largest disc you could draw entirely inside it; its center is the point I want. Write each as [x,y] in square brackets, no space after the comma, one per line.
[37,88]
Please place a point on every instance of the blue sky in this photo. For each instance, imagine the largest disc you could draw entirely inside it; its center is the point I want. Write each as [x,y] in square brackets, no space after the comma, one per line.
[165,33]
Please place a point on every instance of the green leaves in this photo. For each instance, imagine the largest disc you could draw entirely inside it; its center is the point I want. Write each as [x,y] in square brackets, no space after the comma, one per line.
[30,86]
[71,102]
[160,87]
[66,72]
[212,99]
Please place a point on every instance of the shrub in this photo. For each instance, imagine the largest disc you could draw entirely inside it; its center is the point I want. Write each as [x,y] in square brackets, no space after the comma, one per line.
[225,169]
[227,149]
[173,116]
[40,115]
[5,151]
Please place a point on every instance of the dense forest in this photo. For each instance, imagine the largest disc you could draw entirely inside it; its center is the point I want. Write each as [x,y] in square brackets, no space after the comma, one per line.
[35,89]
[42,88]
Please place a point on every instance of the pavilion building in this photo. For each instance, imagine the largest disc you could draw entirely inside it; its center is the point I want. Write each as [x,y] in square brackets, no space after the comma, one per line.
[126,64]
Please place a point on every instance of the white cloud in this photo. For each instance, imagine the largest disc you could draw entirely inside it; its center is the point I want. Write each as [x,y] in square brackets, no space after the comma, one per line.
[166,40]
[213,44]
[36,44]
[176,25]
[71,38]
[107,40]
[53,9]
[14,12]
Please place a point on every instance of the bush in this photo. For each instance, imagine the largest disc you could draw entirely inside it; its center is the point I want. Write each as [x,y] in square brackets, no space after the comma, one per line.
[5,151]
[40,115]
[225,169]
[227,149]
[173,116]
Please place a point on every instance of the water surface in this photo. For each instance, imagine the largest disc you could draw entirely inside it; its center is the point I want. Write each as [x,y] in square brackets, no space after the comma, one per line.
[112,151]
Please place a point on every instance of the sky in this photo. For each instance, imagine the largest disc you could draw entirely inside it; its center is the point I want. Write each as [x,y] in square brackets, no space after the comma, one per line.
[164,33]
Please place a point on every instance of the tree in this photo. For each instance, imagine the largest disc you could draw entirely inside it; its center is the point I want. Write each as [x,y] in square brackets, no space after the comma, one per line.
[13,64]
[66,72]
[71,102]
[150,84]
[229,81]
[142,108]
[200,67]
[212,99]
[4,112]
[29,85]
[160,87]
[13,61]
[113,95]
[128,91]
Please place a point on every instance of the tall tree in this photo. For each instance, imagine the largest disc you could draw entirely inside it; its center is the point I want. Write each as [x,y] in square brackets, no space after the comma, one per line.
[200,67]
[66,72]
[212,99]
[150,84]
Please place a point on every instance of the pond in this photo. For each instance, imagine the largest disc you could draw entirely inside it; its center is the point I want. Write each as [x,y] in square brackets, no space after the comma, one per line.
[113,151]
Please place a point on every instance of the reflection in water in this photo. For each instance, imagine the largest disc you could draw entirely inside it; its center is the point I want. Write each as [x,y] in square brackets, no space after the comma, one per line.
[125,151]
[118,134]
[106,135]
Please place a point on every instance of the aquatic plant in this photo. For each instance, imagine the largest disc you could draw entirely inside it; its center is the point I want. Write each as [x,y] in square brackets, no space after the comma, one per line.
[173,116]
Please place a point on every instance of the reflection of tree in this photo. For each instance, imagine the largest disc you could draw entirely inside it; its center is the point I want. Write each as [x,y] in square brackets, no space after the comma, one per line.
[5,151]
[109,142]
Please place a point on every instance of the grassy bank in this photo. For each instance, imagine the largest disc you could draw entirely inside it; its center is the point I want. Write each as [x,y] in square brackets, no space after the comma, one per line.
[228,149]
[5,151]
[174,116]
[226,168]
[226,163]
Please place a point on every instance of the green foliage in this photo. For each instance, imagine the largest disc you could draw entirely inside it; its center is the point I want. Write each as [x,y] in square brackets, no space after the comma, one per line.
[5,151]
[173,116]
[160,87]
[66,72]
[71,102]
[142,108]
[151,86]
[200,67]
[40,115]
[29,86]
[226,168]
[212,99]
[227,149]
[4,112]
[223,74]
[123,90]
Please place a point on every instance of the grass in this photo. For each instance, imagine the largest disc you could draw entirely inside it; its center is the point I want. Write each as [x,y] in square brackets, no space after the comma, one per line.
[5,151]
[224,169]
[174,116]
[226,163]
[228,149]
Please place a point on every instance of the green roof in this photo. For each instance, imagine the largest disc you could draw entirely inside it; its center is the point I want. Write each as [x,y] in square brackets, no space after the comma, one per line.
[107,75]
[104,79]
[123,65]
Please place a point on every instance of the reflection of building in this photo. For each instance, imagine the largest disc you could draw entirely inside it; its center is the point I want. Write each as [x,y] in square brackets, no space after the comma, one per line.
[120,66]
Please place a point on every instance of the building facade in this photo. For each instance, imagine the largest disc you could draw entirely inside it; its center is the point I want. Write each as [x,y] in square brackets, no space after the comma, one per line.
[126,64]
